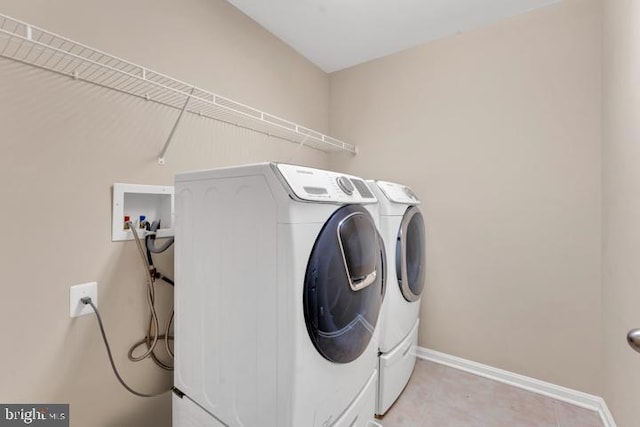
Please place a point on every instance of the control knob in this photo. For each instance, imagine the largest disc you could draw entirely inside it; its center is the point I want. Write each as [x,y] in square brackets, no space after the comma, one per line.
[345,184]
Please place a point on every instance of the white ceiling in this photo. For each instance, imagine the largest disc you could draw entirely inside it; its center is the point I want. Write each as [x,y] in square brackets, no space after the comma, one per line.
[336,34]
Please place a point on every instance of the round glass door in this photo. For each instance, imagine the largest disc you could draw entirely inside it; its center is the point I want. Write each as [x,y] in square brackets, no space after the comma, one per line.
[410,254]
[344,284]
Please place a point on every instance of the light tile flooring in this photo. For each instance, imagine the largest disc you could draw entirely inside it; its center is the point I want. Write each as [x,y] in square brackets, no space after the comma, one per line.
[438,396]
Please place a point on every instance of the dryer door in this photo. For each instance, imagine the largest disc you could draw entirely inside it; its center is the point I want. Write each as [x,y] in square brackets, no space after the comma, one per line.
[410,254]
[344,284]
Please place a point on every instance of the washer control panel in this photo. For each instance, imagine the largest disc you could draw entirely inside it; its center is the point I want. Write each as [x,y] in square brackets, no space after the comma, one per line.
[398,193]
[316,185]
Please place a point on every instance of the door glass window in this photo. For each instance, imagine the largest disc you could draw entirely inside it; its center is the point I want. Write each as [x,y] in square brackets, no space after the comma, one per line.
[410,255]
[344,285]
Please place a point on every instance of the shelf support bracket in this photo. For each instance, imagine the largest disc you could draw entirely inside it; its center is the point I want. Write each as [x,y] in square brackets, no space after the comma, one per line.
[173,130]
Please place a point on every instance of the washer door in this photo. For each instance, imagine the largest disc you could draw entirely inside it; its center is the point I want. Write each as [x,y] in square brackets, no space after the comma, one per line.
[410,254]
[344,284]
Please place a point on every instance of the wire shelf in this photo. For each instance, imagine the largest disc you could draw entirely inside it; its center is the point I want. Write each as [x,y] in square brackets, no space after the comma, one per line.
[34,46]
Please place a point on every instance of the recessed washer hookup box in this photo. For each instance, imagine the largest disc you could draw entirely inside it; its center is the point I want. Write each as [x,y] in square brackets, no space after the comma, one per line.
[138,204]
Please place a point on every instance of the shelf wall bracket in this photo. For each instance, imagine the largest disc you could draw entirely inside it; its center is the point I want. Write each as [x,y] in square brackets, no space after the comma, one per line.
[161,160]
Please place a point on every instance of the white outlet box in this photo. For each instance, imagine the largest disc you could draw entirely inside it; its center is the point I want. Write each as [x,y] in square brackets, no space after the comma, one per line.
[77,292]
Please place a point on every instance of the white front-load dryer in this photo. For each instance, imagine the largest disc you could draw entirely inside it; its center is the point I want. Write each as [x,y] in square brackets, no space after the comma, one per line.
[402,229]
[279,286]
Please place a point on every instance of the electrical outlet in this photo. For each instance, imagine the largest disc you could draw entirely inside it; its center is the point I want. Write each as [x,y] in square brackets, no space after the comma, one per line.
[77,292]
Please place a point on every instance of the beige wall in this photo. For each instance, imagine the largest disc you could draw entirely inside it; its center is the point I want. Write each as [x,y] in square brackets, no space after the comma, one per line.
[621,213]
[64,143]
[498,130]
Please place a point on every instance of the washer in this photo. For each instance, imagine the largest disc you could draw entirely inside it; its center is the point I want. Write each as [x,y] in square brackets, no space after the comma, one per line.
[280,281]
[402,230]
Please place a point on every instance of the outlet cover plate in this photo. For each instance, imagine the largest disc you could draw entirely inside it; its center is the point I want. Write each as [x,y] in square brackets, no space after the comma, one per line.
[76,292]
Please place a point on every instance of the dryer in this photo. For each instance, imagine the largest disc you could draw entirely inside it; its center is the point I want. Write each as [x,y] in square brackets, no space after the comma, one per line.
[279,285]
[402,229]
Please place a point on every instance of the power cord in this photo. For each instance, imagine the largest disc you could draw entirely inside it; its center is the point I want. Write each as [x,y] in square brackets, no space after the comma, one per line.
[87,300]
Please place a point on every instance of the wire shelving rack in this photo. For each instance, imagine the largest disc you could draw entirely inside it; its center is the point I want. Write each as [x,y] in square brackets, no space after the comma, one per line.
[34,46]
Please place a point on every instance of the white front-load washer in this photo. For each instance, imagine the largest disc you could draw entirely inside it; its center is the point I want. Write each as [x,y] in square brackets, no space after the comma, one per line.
[279,285]
[402,229]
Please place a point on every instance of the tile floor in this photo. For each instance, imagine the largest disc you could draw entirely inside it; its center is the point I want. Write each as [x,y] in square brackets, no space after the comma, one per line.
[438,396]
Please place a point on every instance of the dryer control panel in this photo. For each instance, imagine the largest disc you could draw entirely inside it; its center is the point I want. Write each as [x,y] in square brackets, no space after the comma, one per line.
[316,185]
[398,193]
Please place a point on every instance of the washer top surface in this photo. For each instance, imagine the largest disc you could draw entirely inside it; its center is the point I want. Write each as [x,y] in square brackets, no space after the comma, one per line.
[393,198]
[397,193]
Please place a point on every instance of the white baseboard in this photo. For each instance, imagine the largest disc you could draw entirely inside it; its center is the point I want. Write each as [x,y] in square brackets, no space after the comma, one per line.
[574,397]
